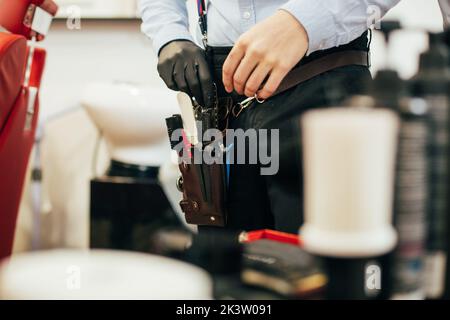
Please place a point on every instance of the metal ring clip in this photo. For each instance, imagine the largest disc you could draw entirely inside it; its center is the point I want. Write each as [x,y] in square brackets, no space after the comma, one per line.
[245,104]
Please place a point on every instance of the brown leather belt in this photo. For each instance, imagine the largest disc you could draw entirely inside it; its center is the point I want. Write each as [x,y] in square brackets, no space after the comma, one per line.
[322,65]
[309,70]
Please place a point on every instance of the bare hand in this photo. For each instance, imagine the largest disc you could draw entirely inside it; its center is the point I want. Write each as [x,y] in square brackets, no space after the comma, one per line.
[263,56]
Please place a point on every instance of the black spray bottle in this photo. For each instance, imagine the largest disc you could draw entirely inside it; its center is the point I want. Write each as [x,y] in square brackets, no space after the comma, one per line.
[220,253]
[432,86]
[404,267]
[447,280]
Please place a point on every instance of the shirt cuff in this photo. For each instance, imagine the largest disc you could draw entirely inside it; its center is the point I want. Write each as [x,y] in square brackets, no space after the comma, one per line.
[169,34]
[317,20]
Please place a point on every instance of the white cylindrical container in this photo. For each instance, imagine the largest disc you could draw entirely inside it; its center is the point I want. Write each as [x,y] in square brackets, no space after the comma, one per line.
[349,165]
[100,274]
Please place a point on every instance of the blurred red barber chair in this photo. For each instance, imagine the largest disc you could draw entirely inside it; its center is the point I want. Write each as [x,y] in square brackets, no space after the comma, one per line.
[21,67]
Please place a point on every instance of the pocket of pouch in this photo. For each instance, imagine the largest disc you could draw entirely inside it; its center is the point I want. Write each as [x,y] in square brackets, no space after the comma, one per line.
[191,184]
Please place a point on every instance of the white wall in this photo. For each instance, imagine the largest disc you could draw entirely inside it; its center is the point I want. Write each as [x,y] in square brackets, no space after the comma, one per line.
[100,51]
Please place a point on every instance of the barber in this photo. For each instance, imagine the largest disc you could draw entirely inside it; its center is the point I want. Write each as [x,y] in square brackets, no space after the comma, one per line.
[254,45]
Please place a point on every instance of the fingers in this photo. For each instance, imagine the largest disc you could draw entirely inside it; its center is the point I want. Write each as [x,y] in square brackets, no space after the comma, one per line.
[272,84]
[231,63]
[243,72]
[193,83]
[176,59]
[256,79]
[166,72]
[179,77]
[206,83]
[195,79]
[183,67]
[248,66]
[199,81]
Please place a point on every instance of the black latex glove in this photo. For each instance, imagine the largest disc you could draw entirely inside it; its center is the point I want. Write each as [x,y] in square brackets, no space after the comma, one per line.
[183,67]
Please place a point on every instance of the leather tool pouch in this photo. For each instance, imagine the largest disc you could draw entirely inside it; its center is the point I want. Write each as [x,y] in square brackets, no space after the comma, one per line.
[198,211]
[204,186]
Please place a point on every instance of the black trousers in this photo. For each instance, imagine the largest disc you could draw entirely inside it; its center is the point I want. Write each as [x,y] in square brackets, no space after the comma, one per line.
[276,202]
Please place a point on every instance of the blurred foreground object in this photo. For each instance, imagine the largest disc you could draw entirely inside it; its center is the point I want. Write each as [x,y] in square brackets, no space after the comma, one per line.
[220,253]
[284,268]
[403,268]
[272,235]
[432,87]
[21,69]
[349,174]
[349,161]
[100,274]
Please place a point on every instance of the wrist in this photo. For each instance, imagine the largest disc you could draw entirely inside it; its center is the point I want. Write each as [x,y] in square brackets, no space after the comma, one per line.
[173,42]
[167,35]
[317,20]
[295,25]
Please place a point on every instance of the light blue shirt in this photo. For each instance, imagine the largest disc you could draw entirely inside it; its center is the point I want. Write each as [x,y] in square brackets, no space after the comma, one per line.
[329,23]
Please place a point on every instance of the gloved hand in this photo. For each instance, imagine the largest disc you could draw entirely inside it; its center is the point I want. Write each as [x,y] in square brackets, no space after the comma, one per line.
[183,67]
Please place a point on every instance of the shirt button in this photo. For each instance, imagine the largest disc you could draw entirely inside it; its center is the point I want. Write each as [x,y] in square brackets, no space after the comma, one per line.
[246,15]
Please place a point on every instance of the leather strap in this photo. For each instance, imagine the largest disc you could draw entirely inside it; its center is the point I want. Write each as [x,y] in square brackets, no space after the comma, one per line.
[322,65]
